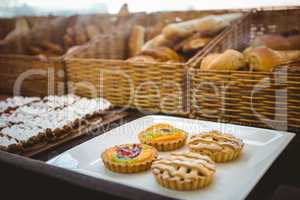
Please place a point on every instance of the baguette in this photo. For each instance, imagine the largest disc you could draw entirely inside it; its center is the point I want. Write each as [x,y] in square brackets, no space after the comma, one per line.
[229,60]
[136,40]
[265,59]
[206,25]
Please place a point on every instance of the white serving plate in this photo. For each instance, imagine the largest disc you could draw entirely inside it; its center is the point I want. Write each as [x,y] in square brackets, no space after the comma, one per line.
[233,180]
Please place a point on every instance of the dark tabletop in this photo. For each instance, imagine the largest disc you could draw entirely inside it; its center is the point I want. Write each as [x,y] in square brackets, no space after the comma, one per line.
[23,178]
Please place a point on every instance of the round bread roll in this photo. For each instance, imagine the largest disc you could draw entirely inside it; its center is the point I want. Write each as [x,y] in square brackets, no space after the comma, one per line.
[141,58]
[162,54]
[265,59]
[158,41]
[229,60]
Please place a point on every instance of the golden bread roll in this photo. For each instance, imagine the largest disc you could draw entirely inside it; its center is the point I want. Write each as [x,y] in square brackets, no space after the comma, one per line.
[229,60]
[162,54]
[142,58]
[136,40]
[264,59]
[193,43]
[208,25]
[52,47]
[246,53]
[158,41]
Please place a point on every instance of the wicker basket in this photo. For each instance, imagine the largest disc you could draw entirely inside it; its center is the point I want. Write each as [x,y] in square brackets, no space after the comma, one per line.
[36,76]
[156,87]
[260,99]
[146,86]
[36,85]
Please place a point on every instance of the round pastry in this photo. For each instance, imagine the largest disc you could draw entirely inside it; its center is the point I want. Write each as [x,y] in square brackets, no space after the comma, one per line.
[220,147]
[163,137]
[184,171]
[129,158]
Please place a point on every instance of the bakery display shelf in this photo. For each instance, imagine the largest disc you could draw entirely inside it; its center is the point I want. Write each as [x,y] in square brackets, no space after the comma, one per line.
[246,96]
[82,131]
[155,84]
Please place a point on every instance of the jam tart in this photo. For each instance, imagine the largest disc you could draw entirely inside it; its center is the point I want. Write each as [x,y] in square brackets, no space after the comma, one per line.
[129,158]
[184,171]
[163,137]
[220,147]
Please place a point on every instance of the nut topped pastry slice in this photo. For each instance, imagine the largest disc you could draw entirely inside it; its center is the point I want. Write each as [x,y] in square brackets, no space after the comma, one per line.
[220,147]
[129,158]
[163,137]
[184,171]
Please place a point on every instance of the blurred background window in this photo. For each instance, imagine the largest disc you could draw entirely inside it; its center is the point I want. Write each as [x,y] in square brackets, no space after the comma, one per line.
[11,8]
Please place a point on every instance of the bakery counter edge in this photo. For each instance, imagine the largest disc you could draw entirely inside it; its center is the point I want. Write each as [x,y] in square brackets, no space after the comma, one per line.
[45,178]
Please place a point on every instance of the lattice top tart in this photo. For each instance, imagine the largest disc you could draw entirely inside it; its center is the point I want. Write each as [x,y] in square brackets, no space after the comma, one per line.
[184,171]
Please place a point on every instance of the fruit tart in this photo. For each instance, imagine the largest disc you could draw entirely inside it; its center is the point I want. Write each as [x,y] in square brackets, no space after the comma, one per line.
[129,158]
[163,137]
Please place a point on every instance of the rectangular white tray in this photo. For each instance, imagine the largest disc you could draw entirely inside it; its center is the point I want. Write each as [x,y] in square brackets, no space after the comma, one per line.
[233,180]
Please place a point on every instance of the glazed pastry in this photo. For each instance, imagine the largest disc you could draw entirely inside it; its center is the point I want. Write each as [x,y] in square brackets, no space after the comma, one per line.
[264,59]
[184,171]
[129,158]
[163,137]
[229,60]
[220,147]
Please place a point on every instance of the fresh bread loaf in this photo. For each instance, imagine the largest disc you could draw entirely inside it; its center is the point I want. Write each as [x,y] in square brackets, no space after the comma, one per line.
[265,59]
[158,41]
[21,27]
[136,40]
[193,43]
[229,60]
[277,42]
[141,58]
[208,25]
[162,54]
